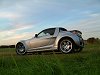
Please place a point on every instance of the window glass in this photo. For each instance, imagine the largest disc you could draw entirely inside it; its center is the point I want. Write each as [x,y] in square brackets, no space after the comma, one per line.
[47,32]
[41,34]
[62,29]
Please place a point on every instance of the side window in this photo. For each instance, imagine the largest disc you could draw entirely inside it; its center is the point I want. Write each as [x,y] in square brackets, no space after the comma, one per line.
[62,29]
[50,31]
[47,32]
[41,34]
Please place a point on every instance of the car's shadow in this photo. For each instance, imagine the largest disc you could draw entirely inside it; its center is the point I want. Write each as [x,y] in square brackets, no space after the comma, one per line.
[44,53]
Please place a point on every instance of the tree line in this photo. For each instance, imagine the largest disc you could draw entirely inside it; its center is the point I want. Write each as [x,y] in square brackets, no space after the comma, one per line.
[7,46]
[93,40]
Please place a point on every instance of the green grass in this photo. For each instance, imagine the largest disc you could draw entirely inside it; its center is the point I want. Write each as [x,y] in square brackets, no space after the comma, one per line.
[86,62]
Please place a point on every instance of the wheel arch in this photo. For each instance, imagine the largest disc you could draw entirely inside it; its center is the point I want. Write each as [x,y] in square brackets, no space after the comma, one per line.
[66,37]
[23,42]
[19,43]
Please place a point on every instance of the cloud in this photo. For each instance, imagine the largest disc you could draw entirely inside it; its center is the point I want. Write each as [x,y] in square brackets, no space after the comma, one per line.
[17,27]
[91,13]
[15,38]
[94,14]
[15,32]
[90,27]
[12,36]
[9,15]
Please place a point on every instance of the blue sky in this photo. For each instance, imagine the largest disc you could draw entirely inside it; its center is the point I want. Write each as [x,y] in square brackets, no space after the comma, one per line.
[21,19]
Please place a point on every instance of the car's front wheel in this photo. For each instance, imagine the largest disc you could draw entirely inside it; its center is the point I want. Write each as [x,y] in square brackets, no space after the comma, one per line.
[66,45]
[20,49]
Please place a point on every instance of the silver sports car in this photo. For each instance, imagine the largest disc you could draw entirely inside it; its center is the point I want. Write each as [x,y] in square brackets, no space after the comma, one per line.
[58,39]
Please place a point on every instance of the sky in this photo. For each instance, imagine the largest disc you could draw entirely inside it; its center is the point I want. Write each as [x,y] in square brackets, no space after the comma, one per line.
[21,19]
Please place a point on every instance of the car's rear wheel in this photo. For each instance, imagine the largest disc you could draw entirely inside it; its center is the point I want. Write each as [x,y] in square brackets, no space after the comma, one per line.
[20,49]
[66,45]
[78,50]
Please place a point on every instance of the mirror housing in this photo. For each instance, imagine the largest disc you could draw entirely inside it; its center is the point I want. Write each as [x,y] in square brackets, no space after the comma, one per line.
[36,35]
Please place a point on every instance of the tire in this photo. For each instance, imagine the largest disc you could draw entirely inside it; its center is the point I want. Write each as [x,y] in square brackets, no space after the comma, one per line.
[78,50]
[20,49]
[66,45]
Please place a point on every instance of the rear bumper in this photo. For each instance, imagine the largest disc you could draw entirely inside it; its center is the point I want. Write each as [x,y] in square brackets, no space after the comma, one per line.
[81,44]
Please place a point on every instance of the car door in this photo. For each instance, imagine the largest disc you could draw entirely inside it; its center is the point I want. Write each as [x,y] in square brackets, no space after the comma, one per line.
[42,40]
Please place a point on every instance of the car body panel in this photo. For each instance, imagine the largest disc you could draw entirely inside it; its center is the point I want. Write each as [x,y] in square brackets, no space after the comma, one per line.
[69,35]
[38,43]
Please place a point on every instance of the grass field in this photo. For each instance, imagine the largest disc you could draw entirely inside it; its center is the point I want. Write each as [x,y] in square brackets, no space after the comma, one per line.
[86,62]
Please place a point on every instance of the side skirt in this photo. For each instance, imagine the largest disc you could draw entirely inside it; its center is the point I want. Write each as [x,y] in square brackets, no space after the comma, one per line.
[46,48]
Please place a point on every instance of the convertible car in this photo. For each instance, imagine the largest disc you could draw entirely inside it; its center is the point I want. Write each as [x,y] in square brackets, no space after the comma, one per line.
[58,39]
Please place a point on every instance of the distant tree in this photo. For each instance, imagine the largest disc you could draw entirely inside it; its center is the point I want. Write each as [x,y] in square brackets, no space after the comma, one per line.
[7,46]
[4,46]
[11,46]
[93,40]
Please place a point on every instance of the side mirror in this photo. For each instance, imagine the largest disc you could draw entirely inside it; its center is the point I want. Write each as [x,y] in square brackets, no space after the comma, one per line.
[36,35]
